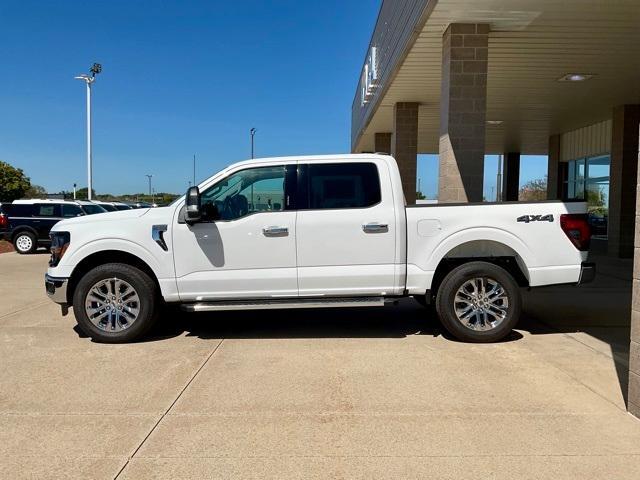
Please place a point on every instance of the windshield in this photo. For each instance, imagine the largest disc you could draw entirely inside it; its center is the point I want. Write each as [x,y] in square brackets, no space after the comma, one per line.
[92,209]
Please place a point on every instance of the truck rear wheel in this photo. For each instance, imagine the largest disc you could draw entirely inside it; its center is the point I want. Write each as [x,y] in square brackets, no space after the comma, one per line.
[479,302]
[115,303]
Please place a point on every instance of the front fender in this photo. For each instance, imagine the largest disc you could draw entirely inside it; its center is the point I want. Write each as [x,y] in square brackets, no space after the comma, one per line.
[73,258]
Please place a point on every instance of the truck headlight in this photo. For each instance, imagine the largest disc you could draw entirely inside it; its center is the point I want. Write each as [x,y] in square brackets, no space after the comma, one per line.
[59,244]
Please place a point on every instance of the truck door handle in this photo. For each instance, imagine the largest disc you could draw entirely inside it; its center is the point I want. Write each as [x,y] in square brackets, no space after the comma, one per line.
[375,227]
[275,231]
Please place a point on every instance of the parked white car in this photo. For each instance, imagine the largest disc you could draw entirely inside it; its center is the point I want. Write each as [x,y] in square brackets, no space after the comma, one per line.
[322,231]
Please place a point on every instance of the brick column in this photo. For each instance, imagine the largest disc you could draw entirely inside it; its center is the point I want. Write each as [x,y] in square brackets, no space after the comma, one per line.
[463,103]
[622,181]
[382,141]
[404,146]
[633,399]
[511,177]
[553,164]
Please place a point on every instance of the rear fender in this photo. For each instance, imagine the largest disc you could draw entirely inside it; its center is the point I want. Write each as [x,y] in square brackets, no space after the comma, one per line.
[480,234]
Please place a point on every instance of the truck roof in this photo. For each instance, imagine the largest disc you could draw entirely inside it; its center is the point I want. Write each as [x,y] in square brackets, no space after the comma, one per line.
[346,157]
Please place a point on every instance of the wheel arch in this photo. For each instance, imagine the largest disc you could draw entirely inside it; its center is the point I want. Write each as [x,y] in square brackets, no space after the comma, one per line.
[490,251]
[103,257]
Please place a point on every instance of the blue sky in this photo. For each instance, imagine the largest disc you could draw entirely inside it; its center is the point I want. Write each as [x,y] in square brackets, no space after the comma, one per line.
[179,78]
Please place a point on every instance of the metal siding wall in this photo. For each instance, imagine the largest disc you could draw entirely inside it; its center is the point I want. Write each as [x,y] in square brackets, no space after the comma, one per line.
[586,142]
[395,25]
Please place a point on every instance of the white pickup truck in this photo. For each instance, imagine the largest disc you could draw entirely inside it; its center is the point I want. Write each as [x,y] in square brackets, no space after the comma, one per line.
[309,232]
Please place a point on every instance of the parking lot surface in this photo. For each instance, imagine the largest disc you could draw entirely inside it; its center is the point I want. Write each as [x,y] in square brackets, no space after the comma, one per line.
[365,393]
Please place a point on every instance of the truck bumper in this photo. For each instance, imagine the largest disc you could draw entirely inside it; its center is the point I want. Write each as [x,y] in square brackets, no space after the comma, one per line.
[56,289]
[587,272]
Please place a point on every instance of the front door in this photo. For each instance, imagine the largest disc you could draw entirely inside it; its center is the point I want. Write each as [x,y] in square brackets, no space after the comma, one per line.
[245,247]
[346,229]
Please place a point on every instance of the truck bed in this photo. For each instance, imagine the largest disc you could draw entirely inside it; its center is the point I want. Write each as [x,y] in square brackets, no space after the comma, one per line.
[528,231]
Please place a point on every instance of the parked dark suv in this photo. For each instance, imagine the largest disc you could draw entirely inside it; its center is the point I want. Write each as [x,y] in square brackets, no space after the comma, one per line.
[26,223]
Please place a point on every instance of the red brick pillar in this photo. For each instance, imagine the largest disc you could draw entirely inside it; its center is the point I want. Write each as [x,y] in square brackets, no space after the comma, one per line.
[553,168]
[382,141]
[404,146]
[463,103]
[511,177]
[622,180]
[633,400]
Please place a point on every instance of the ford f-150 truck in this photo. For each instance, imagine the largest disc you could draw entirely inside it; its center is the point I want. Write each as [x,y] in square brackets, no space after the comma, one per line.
[309,232]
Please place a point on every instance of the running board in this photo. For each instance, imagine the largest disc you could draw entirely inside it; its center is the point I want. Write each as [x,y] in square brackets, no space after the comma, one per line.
[284,303]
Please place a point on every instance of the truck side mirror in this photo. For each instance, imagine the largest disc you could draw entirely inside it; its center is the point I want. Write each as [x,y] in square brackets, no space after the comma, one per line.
[193,212]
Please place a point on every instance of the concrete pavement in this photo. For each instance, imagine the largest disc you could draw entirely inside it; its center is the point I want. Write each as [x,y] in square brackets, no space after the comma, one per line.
[359,393]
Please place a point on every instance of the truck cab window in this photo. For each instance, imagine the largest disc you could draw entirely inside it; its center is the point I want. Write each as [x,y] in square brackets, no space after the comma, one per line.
[343,185]
[246,192]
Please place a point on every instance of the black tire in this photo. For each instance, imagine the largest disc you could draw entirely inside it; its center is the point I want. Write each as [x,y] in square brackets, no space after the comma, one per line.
[143,286]
[25,242]
[465,331]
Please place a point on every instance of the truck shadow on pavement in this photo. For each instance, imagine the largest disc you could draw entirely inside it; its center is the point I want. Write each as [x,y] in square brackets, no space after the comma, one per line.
[392,321]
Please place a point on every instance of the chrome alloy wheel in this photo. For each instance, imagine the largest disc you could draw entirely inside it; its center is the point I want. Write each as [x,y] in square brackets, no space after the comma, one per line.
[481,304]
[24,243]
[112,305]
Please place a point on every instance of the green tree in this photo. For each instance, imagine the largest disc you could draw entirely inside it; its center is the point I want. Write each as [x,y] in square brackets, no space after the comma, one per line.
[597,200]
[13,182]
[35,191]
[533,190]
[81,193]
[420,195]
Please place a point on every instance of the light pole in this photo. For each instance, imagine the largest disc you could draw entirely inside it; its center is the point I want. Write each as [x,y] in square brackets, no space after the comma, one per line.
[95,69]
[74,191]
[149,177]
[252,132]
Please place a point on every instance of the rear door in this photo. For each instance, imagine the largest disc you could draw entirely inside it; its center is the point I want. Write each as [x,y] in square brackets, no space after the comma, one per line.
[346,239]
[45,216]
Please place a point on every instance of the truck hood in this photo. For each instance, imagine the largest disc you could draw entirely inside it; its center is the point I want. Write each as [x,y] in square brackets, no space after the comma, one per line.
[100,218]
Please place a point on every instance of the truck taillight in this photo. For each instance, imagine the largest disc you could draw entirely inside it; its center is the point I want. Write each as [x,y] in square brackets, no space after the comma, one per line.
[4,221]
[576,227]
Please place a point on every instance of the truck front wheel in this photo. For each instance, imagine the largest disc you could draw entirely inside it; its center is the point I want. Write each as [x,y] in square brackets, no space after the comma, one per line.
[115,303]
[479,302]
[25,242]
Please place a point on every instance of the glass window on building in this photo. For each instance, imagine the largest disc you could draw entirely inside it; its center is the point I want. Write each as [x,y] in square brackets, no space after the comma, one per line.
[588,179]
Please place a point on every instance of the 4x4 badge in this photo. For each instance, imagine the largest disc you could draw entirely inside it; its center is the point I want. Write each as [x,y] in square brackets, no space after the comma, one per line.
[535,218]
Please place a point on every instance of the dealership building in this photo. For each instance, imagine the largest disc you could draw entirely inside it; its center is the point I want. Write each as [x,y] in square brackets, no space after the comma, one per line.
[467,78]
